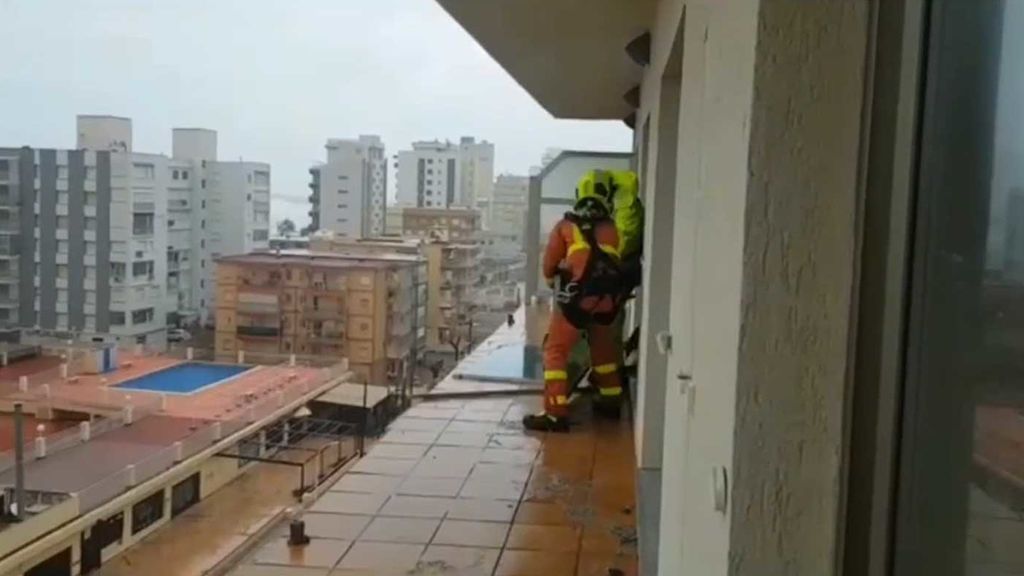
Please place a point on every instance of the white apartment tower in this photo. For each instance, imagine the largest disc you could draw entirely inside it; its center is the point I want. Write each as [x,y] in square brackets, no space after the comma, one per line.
[105,241]
[439,174]
[350,189]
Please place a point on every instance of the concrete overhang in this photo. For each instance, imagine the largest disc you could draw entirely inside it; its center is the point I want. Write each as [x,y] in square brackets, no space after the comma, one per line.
[568,54]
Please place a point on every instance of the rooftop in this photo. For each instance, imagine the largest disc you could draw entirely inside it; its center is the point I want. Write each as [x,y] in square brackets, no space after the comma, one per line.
[322,259]
[457,487]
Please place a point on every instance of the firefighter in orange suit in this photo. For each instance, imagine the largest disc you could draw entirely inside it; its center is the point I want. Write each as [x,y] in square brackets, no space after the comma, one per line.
[581,263]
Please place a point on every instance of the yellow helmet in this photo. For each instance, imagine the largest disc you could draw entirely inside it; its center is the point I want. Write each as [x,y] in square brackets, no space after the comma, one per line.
[596,185]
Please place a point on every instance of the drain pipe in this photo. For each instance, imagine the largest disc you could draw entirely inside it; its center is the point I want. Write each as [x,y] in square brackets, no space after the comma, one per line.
[19,461]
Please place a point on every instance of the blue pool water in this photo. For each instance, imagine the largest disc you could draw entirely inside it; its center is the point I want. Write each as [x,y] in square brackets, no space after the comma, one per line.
[184,378]
[512,361]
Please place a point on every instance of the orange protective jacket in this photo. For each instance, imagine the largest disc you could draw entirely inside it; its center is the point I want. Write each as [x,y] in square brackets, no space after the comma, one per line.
[568,252]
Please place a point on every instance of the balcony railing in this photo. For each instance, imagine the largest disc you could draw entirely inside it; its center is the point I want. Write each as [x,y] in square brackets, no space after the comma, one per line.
[328,336]
[323,312]
[258,308]
[259,331]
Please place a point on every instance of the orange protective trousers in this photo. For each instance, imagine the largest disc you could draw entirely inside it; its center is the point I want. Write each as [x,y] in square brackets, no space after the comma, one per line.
[604,354]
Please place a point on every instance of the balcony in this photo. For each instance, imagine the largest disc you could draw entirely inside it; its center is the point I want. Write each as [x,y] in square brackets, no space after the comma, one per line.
[261,284]
[258,331]
[264,308]
[323,312]
[574,492]
[327,336]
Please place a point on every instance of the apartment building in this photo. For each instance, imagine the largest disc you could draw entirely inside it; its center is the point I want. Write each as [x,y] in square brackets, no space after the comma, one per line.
[447,224]
[349,190]
[393,221]
[105,241]
[504,218]
[448,281]
[215,208]
[311,303]
[438,174]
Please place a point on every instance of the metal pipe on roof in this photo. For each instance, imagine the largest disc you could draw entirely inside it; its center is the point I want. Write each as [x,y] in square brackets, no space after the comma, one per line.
[19,461]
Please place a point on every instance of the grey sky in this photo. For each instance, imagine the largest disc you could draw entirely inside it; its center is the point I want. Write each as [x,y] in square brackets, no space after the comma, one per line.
[275,78]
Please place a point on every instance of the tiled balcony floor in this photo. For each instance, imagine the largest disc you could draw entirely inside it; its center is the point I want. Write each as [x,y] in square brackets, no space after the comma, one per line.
[457,487]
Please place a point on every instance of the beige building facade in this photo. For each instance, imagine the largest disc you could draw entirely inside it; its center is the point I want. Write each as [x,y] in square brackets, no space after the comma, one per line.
[320,305]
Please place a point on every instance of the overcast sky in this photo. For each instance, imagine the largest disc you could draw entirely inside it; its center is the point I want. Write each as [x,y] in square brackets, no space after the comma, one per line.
[275,78]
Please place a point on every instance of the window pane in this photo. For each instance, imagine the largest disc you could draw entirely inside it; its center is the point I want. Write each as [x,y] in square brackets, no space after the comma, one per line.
[961,483]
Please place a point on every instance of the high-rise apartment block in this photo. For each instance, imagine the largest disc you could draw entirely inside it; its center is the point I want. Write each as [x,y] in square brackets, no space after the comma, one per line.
[504,216]
[104,241]
[350,189]
[439,174]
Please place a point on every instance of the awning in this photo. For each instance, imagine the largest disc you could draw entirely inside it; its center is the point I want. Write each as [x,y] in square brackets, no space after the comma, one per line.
[568,54]
[350,394]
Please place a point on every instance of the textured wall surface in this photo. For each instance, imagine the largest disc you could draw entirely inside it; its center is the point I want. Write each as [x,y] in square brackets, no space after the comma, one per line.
[798,272]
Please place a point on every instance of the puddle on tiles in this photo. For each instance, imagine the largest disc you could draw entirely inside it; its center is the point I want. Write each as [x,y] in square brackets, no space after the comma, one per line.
[512,361]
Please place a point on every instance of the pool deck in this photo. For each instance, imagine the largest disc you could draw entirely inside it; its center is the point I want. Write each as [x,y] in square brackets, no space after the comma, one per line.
[99,393]
[159,423]
[457,487]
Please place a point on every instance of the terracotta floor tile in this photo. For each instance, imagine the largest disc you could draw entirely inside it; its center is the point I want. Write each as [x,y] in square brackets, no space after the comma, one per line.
[495,471]
[546,538]
[461,426]
[409,437]
[383,557]
[501,455]
[470,415]
[366,483]
[432,411]
[514,442]
[469,533]
[493,489]
[336,526]
[371,465]
[526,563]
[458,560]
[415,486]
[443,468]
[268,570]
[419,424]
[319,553]
[398,451]
[492,404]
[416,507]
[543,513]
[469,439]
[599,565]
[401,530]
[482,510]
[349,503]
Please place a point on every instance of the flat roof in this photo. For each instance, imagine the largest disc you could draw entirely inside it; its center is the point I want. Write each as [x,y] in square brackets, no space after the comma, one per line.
[323,259]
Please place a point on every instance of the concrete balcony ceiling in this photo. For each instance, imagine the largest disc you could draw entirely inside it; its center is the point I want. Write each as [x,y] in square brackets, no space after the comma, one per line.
[568,54]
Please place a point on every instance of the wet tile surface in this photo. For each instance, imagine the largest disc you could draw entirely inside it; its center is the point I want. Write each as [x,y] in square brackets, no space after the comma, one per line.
[319,553]
[524,563]
[385,557]
[457,487]
[400,530]
[471,533]
[460,560]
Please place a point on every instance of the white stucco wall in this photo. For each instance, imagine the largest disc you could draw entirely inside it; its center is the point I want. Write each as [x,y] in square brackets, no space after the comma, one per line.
[799,272]
[762,268]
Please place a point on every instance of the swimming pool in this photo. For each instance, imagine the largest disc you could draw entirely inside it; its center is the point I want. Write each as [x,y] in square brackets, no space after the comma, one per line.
[186,378]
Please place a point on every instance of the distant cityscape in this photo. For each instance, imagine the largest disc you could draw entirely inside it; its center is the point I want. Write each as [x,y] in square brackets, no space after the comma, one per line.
[105,243]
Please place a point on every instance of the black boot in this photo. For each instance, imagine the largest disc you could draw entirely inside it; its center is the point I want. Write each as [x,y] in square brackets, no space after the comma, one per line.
[608,409]
[544,423]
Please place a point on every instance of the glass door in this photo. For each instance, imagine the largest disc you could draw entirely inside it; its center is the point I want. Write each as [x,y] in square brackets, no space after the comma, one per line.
[960,485]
